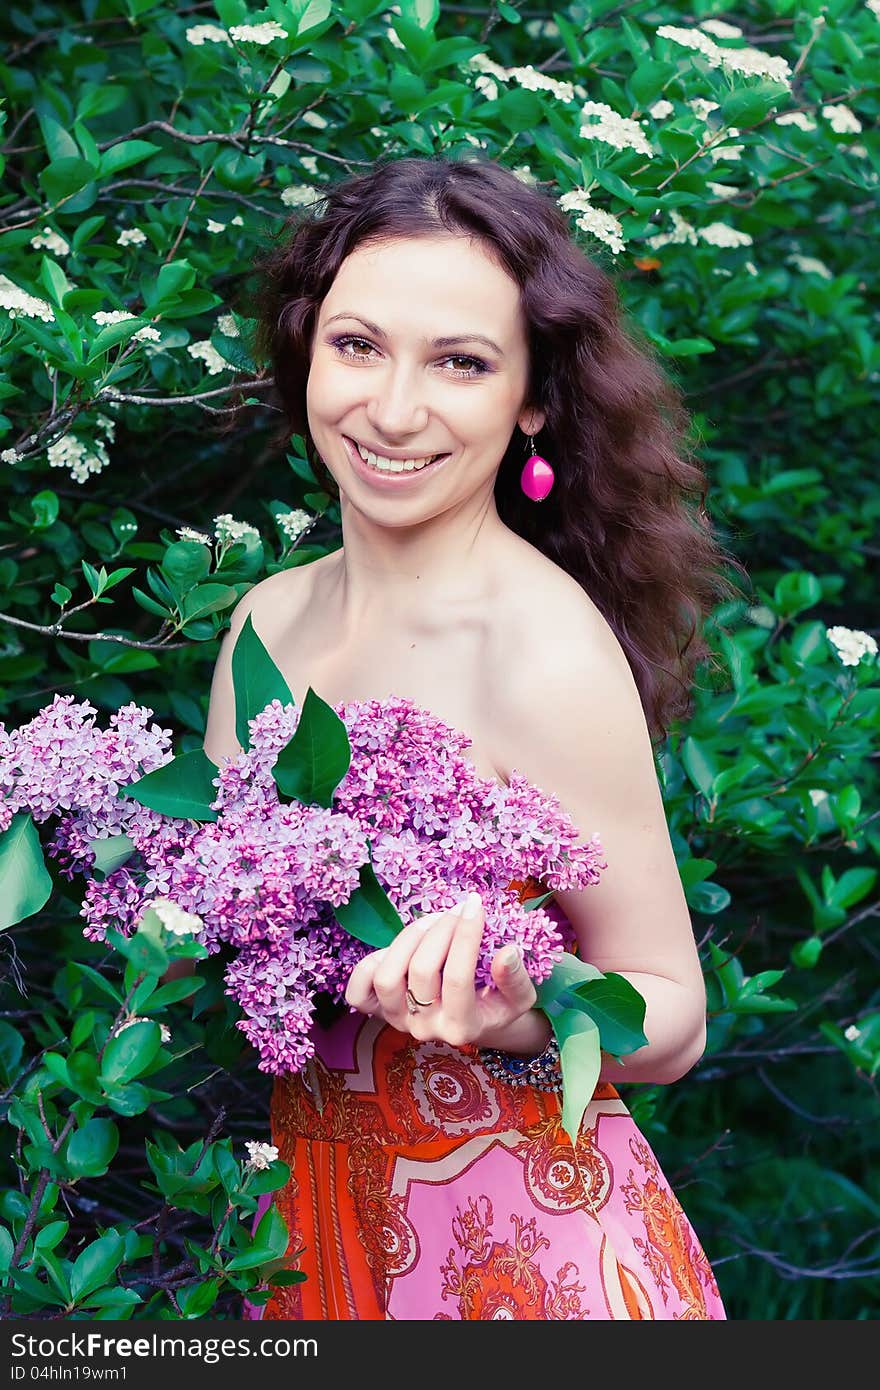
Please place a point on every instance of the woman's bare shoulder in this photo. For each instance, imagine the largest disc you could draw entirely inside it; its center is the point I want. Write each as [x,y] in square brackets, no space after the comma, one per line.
[548,614]
[278,600]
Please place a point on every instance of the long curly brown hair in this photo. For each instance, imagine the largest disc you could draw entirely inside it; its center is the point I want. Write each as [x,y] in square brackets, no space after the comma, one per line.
[627,515]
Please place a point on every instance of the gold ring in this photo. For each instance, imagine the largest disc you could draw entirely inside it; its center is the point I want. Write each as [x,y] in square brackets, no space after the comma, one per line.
[413,1004]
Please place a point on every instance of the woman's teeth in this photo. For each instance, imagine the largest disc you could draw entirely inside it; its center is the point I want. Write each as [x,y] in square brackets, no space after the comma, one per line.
[386,465]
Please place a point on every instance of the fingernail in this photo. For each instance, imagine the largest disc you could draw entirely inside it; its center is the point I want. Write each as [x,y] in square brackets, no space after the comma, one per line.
[471,906]
[511,957]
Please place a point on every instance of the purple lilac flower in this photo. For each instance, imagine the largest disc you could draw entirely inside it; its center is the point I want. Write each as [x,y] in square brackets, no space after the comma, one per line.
[266,875]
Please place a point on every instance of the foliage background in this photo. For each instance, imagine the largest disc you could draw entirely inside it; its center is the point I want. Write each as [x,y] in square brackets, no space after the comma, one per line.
[144,172]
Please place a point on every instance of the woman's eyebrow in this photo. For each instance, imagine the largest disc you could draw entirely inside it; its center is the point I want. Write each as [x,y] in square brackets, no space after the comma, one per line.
[437,342]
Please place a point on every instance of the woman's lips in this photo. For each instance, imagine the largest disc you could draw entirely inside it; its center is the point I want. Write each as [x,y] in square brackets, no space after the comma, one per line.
[373,475]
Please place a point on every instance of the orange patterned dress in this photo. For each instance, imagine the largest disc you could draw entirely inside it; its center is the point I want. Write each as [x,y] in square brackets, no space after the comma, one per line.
[423,1188]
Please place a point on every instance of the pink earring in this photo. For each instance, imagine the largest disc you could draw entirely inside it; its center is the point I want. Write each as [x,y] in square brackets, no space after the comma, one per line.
[537,477]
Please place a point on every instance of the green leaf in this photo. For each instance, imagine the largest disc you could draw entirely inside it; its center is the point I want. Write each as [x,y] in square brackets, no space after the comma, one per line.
[25,882]
[113,334]
[369,915]
[207,598]
[185,564]
[313,763]
[130,1052]
[270,1242]
[565,976]
[91,1150]
[144,951]
[111,852]
[181,788]
[618,1010]
[256,680]
[698,765]
[96,1265]
[103,984]
[581,1060]
[126,153]
[65,176]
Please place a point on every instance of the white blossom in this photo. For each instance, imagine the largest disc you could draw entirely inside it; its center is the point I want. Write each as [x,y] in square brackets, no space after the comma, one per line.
[722,190]
[599,224]
[720,29]
[701,107]
[612,129]
[216,226]
[198,34]
[50,241]
[809,265]
[260,1155]
[524,174]
[716,152]
[209,355]
[661,109]
[682,232]
[258,33]
[394,38]
[691,38]
[294,523]
[841,120]
[17,301]
[818,795]
[533,81]
[186,533]
[315,119]
[79,458]
[874,6]
[851,644]
[297,195]
[720,234]
[487,85]
[481,62]
[131,236]
[147,334]
[541,29]
[753,62]
[310,163]
[227,529]
[174,918]
[164,1030]
[852,1033]
[227,325]
[798,118]
[9,456]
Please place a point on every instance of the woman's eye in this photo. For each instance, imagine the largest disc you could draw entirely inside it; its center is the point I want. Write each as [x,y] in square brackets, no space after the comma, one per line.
[474,366]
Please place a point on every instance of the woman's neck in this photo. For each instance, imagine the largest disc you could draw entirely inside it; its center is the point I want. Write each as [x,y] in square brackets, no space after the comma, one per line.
[399,571]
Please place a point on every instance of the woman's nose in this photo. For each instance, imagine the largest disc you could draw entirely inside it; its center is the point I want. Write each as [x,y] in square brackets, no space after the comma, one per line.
[398,406]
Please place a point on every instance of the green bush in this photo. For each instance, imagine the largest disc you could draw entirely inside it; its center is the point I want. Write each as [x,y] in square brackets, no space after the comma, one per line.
[150,154]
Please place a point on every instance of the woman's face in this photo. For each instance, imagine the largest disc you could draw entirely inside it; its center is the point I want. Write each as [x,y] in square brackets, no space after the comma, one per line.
[379,377]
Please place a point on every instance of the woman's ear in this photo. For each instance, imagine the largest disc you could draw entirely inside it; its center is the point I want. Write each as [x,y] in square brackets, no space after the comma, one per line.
[531,421]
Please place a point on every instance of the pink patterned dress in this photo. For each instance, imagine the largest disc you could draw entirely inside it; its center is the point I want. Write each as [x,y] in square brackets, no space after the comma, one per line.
[423,1188]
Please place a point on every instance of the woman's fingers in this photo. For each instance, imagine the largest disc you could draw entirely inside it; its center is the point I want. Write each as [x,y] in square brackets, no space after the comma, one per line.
[461,961]
[359,992]
[390,976]
[429,957]
[515,985]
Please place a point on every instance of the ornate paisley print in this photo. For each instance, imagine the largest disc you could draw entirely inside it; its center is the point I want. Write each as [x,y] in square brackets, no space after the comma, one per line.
[421,1188]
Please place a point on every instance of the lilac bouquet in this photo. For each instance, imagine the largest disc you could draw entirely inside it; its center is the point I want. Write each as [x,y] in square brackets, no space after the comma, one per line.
[328,833]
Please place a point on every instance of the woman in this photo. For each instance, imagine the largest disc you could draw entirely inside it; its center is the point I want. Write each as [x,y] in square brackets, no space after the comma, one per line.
[426,327]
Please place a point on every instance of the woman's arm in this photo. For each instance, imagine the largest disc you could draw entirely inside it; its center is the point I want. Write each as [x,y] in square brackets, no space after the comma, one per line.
[574,723]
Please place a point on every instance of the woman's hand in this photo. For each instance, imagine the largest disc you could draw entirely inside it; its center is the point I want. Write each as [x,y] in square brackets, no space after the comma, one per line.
[434,961]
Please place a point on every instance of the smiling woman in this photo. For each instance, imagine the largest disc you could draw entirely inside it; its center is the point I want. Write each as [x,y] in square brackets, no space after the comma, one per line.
[428,321]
